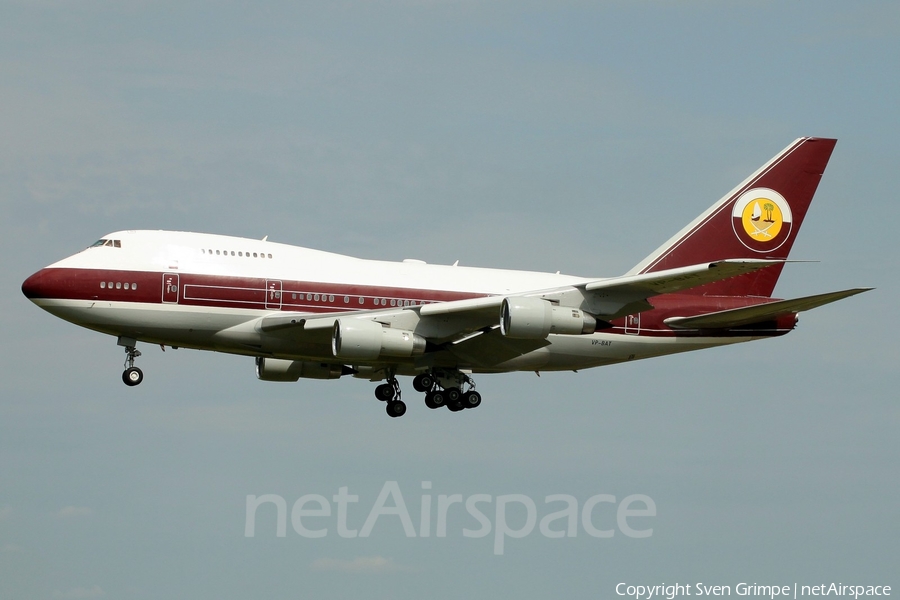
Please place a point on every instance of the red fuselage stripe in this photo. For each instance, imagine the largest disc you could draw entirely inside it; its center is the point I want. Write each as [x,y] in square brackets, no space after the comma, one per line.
[254,293]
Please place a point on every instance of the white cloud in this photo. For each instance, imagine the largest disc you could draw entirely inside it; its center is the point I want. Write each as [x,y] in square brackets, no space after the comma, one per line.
[361,564]
[74,511]
[78,593]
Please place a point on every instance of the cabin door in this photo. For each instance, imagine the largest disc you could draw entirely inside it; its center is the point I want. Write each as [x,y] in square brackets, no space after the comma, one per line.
[170,288]
[273,294]
[633,324]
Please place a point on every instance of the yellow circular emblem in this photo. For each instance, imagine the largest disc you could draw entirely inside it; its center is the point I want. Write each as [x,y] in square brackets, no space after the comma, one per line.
[762,219]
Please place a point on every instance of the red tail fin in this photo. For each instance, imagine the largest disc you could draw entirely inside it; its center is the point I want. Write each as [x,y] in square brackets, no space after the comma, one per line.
[759,218]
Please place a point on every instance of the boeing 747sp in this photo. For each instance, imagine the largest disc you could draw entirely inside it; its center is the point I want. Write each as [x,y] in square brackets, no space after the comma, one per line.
[305,313]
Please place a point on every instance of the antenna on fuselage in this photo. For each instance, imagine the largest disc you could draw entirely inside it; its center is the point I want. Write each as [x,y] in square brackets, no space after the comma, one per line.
[265,237]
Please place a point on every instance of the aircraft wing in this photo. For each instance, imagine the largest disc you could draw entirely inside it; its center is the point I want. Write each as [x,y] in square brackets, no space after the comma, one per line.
[489,347]
[681,278]
[769,311]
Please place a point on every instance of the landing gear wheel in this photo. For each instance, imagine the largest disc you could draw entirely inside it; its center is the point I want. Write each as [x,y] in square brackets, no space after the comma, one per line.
[455,406]
[453,394]
[396,408]
[471,399]
[435,399]
[385,392]
[132,376]
[423,382]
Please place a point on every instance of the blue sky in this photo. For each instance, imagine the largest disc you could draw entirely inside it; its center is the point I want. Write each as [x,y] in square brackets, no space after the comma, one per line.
[567,136]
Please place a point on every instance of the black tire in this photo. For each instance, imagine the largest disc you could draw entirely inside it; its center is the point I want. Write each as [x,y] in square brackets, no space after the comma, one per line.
[455,406]
[132,376]
[423,382]
[438,398]
[384,392]
[453,394]
[471,399]
[396,408]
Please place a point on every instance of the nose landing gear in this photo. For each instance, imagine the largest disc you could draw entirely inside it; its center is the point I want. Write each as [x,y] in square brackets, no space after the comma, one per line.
[132,376]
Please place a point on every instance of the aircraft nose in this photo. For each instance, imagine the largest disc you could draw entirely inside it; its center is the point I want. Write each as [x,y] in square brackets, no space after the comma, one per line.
[34,286]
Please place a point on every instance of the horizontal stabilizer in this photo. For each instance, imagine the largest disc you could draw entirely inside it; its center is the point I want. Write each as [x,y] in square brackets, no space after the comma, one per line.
[759,313]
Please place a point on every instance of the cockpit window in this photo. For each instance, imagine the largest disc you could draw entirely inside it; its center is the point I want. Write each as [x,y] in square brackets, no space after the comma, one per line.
[112,243]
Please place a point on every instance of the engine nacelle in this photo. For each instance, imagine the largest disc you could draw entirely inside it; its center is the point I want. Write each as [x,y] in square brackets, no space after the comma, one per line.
[535,319]
[360,339]
[276,369]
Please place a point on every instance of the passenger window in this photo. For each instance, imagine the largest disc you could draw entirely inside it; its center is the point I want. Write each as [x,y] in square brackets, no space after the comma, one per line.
[102,285]
[270,256]
[331,298]
[118,285]
[126,286]
[316,297]
[133,286]
[346,299]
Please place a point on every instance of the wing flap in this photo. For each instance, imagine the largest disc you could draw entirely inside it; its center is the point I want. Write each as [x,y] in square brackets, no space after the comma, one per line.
[748,315]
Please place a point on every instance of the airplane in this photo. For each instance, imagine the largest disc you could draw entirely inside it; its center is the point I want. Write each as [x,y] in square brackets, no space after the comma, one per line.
[303,313]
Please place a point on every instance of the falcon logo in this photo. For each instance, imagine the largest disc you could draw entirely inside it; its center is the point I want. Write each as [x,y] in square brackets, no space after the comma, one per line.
[761,219]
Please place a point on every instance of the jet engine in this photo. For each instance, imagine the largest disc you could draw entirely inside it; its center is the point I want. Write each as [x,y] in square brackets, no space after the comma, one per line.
[534,319]
[361,339]
[276,369]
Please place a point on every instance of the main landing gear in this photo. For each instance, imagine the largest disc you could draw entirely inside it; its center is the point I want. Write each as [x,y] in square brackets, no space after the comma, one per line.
[452,389]
[390,393]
